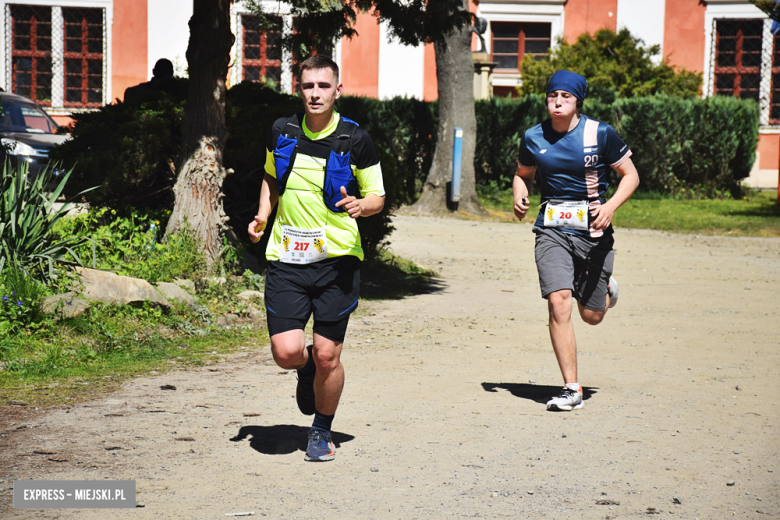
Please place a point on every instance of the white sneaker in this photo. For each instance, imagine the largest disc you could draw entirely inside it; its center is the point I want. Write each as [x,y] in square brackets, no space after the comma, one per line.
[612,289]
[568,400]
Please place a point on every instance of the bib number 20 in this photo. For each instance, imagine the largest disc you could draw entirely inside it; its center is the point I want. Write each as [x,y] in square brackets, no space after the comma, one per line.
[591,160]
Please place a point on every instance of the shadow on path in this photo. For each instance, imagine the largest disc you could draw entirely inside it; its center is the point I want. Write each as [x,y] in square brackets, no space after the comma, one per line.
[282,439]
[396,279]
[537,393]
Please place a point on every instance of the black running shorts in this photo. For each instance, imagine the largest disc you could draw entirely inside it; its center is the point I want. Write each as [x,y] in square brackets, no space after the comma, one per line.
[333,330]
[568,261]
[329,289]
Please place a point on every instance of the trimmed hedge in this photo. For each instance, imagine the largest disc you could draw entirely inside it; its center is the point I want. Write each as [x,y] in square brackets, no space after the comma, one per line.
[130,150]
[704,145]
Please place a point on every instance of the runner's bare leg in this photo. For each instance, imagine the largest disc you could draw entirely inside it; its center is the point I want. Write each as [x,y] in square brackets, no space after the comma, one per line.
[289,352]
[559,305]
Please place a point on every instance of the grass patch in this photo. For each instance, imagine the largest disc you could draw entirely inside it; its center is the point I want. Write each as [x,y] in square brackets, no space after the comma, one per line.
[758,214]
[77,358]
[47,363]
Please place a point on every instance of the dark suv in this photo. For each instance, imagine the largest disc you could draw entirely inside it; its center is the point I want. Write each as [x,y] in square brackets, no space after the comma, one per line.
[27,133]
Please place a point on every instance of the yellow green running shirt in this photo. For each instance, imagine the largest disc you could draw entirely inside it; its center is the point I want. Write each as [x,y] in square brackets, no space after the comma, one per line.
[302,205]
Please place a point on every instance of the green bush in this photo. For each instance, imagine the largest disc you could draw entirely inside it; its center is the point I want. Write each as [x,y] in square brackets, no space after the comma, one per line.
[404,128]
[501,124]
[130,245]
[128,150]
[678,143]
[709,143]
[705,145]
[614,63]
[27,217]
[19,299]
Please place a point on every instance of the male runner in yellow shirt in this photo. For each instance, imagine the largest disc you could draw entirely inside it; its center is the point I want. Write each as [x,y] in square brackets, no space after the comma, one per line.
[323,171]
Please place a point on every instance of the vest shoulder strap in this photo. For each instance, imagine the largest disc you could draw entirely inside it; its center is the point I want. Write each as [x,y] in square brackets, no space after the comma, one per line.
[345,131]
[293,127]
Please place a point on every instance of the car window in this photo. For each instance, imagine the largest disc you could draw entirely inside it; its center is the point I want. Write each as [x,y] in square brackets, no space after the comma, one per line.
[23,117]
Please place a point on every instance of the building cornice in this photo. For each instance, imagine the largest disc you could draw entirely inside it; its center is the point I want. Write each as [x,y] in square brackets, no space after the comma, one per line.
[524,2]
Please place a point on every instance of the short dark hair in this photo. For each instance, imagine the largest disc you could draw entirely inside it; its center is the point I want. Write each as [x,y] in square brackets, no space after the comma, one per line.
[320,61]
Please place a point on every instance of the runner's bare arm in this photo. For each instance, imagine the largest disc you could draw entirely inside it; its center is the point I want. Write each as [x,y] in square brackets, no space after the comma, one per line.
[369,205]
[521,187]
[269,195]
[629,180]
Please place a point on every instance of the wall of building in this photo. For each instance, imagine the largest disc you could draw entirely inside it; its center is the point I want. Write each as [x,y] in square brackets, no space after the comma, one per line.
[129,49]
[645,20]
[589,16]
[684,34]
[360,59]
[169,33]
[767,166]
[401,67]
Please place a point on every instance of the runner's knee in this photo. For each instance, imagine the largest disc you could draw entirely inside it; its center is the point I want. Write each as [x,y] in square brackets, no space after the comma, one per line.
[326,354]
[592,317]
[287,348]
[559,305]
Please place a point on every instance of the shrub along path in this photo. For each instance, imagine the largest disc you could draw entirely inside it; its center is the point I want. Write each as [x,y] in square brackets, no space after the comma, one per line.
[443,412]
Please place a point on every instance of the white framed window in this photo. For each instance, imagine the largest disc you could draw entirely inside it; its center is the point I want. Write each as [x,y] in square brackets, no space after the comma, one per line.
[743,57]
[259,56]
[516,29]
[57,53]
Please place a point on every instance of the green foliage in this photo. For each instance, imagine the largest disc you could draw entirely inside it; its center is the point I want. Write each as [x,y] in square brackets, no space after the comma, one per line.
[412,22]
[501,124]
[770,7]
[20,298]
[27,216]
[129,150]
[251,110]
[404,128]
[108,146]
[614,63]
[678,144]
[129,245]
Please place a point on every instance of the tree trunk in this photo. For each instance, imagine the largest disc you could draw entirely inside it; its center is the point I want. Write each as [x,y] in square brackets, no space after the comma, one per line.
[198,190]
[455,76]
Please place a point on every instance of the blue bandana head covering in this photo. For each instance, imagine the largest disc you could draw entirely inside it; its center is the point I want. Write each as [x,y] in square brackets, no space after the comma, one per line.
[570,82]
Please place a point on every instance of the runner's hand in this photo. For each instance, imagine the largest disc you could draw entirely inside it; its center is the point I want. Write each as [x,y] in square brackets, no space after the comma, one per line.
[521,207]
[602,216]
[350,203]
[256,229]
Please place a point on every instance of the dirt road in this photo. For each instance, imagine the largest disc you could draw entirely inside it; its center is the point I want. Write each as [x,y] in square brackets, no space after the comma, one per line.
[443,413]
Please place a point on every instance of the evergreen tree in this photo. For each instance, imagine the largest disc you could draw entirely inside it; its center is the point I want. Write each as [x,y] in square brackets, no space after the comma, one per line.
[614,63]
[770,7]
[446,24]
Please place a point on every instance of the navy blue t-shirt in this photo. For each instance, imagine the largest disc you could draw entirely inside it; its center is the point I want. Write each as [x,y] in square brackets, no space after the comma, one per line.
[574,165]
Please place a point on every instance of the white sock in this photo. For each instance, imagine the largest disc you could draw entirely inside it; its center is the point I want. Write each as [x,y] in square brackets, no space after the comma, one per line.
[574,386]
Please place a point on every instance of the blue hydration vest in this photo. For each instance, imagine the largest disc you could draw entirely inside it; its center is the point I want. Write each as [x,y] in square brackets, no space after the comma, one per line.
[338,172]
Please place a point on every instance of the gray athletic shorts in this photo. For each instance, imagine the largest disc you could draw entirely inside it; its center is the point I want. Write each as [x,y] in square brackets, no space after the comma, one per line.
[582,264]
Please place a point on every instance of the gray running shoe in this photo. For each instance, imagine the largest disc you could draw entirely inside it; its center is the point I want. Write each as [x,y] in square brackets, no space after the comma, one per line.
[320,448]
[568,400]
[612,289]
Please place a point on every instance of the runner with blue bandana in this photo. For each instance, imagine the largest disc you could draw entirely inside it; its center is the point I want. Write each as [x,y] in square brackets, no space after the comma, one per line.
[323,172]
[572,155]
